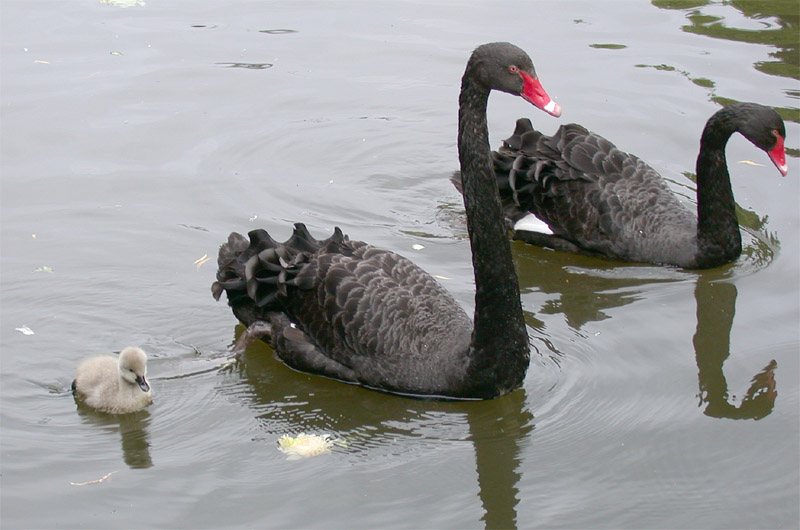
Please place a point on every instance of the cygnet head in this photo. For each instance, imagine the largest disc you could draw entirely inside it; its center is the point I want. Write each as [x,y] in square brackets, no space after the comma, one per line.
[133,367]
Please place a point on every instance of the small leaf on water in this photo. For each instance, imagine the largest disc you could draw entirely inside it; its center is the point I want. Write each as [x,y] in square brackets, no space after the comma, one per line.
[44,268]
[608,46]
[305,445]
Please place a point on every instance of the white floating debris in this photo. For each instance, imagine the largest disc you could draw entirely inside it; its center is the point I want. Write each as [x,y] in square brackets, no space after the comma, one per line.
[200,261]
[305,445]
[751,163]
[417,246]
[25,330]
[125,3]
[98,481]
[228,364]
[44,268]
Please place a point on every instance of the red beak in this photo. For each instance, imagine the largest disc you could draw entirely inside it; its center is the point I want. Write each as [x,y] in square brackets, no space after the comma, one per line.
[534,93]
[778,155]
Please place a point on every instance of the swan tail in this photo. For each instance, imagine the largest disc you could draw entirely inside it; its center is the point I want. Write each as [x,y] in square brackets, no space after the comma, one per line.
[256,273]
[523,167]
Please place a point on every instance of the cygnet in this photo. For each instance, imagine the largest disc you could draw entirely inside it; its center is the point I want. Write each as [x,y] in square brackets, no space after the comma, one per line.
[111,385]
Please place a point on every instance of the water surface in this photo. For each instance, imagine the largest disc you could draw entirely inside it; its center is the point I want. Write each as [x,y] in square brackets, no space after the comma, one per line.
[134,139]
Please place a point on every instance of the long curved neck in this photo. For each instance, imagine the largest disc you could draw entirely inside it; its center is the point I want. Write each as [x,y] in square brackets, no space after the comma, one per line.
[718,236]
[499,350]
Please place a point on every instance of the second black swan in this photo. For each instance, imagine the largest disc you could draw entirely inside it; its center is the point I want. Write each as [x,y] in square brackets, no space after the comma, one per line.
[349,311]
[596,199]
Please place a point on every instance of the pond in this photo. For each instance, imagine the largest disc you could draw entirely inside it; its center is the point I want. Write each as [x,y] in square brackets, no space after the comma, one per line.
[136,135]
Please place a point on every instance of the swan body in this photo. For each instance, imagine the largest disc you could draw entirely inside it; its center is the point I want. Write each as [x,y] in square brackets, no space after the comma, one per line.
[596,199]
[347,310]
[114,385]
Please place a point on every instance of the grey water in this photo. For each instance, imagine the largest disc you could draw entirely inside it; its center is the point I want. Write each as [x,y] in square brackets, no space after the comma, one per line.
[135,135]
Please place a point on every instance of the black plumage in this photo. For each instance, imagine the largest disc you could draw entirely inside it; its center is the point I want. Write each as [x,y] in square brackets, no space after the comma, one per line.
[347,310]
[600,200]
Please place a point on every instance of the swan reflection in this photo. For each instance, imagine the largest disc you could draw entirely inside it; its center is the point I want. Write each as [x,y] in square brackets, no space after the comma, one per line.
[133,431]
[583,289]
[716,306]
[374,423]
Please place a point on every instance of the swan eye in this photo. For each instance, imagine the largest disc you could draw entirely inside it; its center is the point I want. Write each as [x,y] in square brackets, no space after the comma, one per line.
[775,133]
[513,69]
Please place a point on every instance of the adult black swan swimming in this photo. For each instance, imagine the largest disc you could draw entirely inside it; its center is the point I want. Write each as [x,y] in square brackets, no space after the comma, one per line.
[595,199]
[349,311]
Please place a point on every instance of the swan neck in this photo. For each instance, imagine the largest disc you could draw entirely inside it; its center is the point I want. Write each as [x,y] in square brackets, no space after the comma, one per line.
[718,236]
[499,327]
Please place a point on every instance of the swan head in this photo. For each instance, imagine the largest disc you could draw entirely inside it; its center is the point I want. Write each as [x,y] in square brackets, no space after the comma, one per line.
[133,367]
[505,67]
[764,127]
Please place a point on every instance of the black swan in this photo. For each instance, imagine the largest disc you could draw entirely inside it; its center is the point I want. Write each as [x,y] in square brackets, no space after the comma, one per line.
[598,200]
[349,311]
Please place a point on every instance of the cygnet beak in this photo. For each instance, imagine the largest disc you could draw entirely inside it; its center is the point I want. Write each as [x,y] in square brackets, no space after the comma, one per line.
[143,383]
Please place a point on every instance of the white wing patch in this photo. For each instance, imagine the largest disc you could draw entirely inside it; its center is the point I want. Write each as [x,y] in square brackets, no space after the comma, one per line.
[531,223]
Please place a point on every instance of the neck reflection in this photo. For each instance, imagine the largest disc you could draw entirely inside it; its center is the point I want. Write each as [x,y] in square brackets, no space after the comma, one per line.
[716,306]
